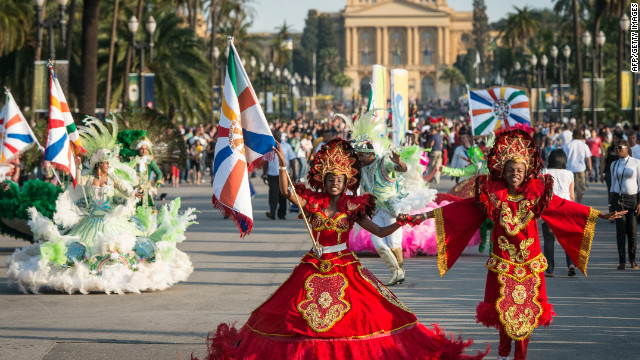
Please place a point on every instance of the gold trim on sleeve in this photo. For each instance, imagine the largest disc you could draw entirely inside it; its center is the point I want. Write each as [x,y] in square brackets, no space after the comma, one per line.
[587,238]
[441,239]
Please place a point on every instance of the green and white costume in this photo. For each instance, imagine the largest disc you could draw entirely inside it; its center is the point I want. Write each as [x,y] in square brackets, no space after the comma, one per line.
[98,241]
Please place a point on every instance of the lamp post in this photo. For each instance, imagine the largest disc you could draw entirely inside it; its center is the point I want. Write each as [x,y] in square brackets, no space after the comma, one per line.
[216,56]
[601,39]
[289,47]
[150,26]
[586,40]
[516,71]
[51,23]
[252,63]
[278,74]
[543,62]
[566,52]
[286,75]
[306,82]
[625,24]
[536,76]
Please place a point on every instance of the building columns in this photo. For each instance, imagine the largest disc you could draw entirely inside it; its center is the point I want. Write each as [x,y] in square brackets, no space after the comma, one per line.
[447,46]
[378,45]
[385,46]
[348,46]
[440,47]
[416,46]
[356,52]
[410,49]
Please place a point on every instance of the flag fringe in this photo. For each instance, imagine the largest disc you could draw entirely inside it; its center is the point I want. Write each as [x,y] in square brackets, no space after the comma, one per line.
[237,217]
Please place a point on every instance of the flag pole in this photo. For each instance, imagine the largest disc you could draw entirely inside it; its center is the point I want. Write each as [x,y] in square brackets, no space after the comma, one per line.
[316,247]
[6,93]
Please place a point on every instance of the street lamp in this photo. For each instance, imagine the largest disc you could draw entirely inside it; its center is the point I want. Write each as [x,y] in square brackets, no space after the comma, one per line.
[252,63]
[624,26]
[150,26]
[566,52]
[601,40]
[586,40]
[278,74]
[50,23]
[216,56]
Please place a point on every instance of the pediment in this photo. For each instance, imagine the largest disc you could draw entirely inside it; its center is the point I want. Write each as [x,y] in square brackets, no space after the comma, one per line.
[396,8]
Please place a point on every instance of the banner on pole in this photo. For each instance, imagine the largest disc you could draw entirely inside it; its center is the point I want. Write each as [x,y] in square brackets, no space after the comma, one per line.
[626,84]
[399,104]
[379,91]
[134,89]
[149,95]
[586,94]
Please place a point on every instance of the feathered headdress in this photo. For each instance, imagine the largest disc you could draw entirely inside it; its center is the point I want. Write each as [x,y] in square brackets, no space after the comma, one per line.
[514,145]
[335,157]
[101,146]
[366,130]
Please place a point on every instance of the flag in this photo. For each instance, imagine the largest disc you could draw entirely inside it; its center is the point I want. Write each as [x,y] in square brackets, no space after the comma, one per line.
[399,105]
[16,133]
[243,137]
[498,108]
[63,140]
[378,98]
[477,62]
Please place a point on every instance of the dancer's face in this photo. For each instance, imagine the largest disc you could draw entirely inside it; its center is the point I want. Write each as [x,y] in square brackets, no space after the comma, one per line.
[104,167]
[514,173]
[334,184]
[143,150]
[366,158]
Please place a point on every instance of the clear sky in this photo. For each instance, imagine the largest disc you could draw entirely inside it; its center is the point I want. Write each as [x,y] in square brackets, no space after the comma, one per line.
[272,13]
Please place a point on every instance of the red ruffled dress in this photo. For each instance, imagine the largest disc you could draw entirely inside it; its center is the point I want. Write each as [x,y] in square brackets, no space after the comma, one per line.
[331,307]
[515,298]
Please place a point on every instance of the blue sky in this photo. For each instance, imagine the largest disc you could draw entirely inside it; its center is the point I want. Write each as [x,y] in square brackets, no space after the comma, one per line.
[272,13]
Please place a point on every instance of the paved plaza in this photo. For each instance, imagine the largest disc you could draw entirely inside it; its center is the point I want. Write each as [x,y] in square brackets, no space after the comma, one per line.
[598,316]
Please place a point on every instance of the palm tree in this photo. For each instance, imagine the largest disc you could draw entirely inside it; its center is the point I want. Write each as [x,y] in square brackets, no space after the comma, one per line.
[520,28]
[179,64]
[89,64]
[14,24]
[454,76]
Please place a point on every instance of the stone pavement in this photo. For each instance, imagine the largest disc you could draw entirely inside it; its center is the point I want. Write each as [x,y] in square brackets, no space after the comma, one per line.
[598,315]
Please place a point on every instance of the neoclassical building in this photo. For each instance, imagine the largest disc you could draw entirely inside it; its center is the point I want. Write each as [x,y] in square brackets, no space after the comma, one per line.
[422,36]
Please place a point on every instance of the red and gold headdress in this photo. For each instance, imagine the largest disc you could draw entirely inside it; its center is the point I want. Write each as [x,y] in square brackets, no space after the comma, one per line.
[514,145]
[335,157]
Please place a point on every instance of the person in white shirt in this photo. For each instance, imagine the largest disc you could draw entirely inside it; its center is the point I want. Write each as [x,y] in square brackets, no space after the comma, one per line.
[578,161]
[270,175]
[625,182]
[634,147]
[460,157]
[562,188]
[565,136]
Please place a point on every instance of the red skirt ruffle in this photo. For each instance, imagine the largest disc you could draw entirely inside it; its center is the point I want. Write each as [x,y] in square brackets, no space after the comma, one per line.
[412,342]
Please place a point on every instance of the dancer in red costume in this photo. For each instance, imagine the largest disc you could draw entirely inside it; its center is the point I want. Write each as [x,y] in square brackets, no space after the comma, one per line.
[513,196]
[332,307]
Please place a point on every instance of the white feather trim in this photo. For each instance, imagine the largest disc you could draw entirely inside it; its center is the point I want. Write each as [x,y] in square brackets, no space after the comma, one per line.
[67,213]
[31,275]
[42,227]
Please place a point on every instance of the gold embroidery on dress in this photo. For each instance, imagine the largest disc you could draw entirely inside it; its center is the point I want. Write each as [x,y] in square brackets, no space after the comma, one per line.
[519,257]
[517,271]
[338,224]
[519,294]
[515,198]
[351,206]
[382,290]
[520,325]
[511,223]
[328,292]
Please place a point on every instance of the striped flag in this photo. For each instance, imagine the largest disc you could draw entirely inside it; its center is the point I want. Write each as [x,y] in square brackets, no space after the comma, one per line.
[498,108]
[63,140]
[243,137]
[16,133]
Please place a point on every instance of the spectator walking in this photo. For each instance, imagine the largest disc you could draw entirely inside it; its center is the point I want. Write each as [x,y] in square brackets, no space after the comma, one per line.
[578,162]
[435,157]
[595,146]
[625,182]
[270,175]
[562,188]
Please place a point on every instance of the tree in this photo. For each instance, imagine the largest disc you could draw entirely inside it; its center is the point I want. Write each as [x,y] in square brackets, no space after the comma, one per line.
[14,24]
[89,64]
[480,32]
[454,77]
[520,28]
